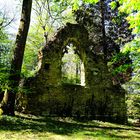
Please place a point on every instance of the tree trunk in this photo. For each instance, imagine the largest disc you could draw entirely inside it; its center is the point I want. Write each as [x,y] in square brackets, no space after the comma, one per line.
[102,7]
[8,101]
[77,69]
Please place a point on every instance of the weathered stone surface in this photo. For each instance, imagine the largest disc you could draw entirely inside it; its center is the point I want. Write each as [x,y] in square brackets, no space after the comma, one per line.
[100,98]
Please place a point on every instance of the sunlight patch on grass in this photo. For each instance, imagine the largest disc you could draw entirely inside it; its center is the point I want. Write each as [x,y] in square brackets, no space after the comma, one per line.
[38,128]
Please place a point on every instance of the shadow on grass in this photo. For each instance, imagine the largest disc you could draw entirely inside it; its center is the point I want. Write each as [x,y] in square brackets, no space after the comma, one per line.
[94,129]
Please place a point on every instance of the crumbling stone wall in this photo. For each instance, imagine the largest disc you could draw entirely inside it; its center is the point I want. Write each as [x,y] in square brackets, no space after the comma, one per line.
[100,98]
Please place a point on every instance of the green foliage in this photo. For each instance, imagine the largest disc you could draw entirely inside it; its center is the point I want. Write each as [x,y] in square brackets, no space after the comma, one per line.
[91,1]
[120,62]
[133,48]
[6,45]
[133,104]
[3,79]
[71,67]
[137,106]
[113,5]
[129,5]
[133,9]
[34,44]
[5,57]
[5,49]
[121,69]
[76,3]
[71,79]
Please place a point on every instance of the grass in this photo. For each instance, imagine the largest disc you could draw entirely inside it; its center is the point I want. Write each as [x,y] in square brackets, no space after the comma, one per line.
[39,128]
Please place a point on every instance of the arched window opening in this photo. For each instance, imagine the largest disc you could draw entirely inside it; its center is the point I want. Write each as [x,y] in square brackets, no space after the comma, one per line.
[72,67]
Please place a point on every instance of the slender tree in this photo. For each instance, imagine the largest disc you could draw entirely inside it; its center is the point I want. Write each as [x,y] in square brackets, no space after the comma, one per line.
[8,102]
[102,8]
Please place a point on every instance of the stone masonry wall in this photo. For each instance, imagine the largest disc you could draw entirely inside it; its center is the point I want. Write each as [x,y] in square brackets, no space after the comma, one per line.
[98,99]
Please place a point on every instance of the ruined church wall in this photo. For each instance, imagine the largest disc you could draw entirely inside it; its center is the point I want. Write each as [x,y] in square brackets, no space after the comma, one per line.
[98,99]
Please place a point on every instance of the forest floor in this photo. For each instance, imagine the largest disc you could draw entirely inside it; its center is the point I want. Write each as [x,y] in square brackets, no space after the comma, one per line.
[25,127]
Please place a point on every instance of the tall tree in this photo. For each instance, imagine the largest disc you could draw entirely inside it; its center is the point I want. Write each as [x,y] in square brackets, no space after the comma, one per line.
[102,6]
[8,102]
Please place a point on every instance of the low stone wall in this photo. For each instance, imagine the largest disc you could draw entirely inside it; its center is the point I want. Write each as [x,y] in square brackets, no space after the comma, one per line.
[77,101]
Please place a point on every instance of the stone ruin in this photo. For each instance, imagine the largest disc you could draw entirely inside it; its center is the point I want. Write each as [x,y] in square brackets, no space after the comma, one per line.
[101,98]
